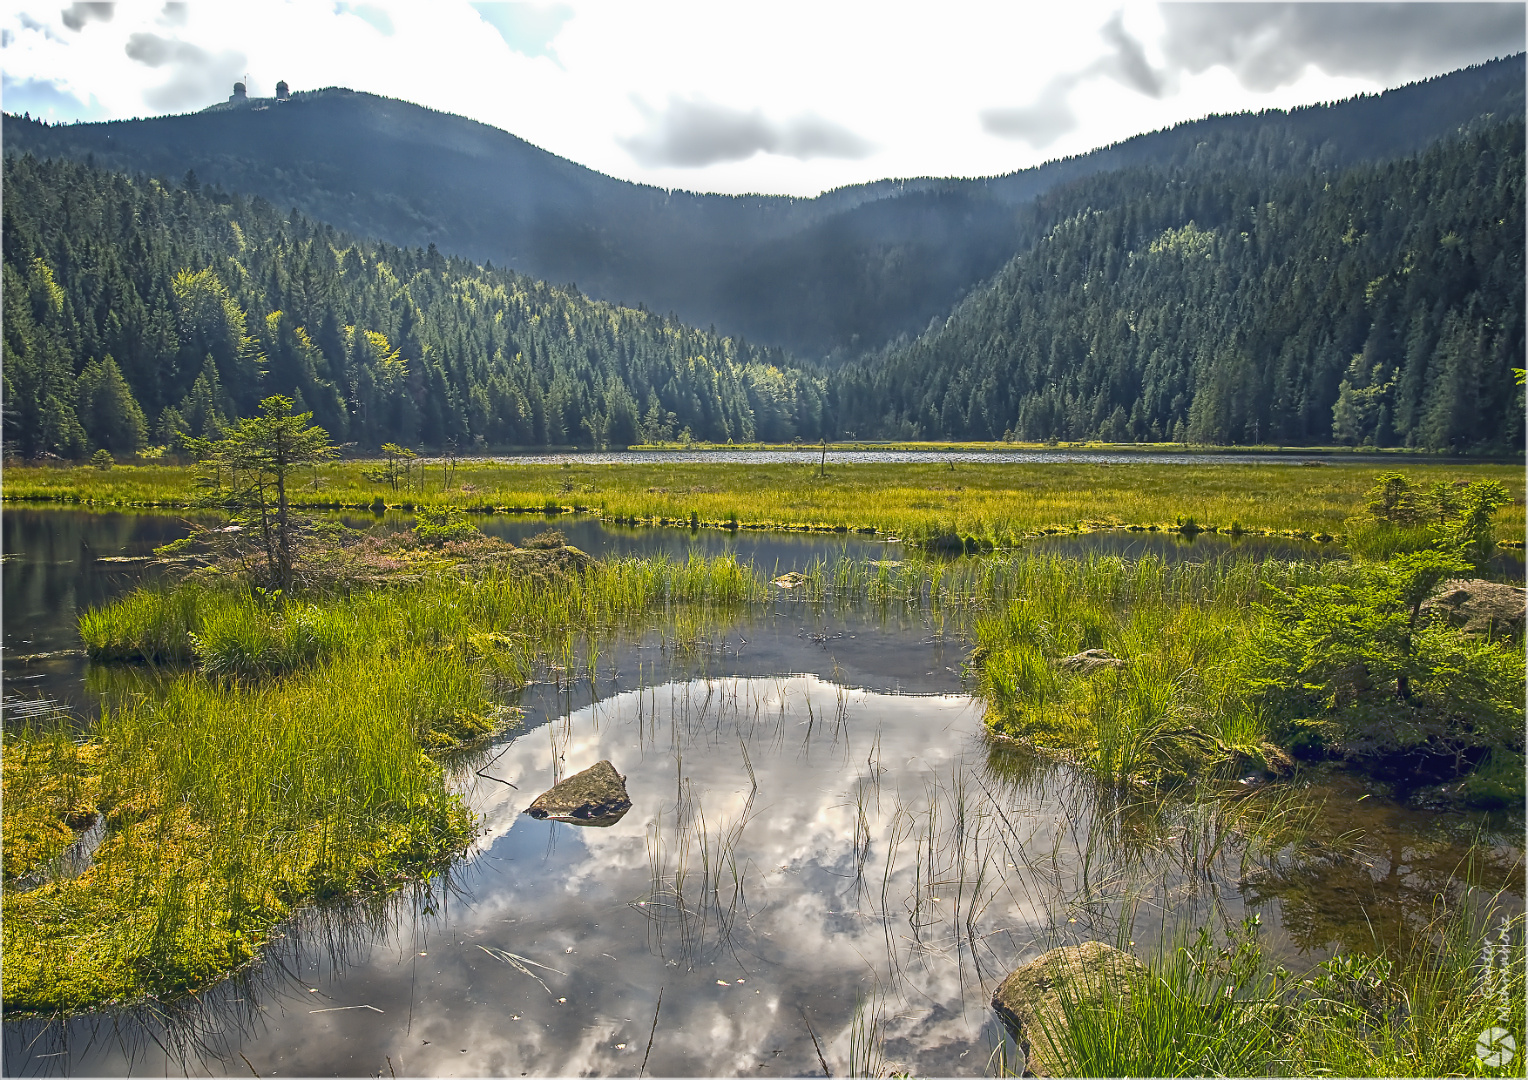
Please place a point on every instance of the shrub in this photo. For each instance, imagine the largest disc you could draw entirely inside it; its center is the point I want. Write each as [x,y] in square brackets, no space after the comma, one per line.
[1357,663]
[443,524]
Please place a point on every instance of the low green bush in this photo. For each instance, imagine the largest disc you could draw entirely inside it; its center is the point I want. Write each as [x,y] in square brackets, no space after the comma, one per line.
[437,525]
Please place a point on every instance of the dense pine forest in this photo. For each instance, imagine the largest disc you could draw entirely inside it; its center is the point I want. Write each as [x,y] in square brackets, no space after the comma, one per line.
[137,312]
[1224,302]
[1254,290]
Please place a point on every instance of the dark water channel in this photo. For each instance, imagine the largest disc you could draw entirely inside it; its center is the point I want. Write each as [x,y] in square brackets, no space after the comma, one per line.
[823,845]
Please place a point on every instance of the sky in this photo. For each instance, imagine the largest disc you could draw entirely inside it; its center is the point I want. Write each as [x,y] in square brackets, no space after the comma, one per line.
[776,97]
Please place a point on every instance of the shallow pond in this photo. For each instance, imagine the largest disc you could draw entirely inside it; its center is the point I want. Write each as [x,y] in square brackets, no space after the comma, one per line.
[824,846]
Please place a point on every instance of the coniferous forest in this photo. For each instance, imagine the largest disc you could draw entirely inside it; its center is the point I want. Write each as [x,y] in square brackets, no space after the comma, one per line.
[1252,290]
[136,313]
[1379,306]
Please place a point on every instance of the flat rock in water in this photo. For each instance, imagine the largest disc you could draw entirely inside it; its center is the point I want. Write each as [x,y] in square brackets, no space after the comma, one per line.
[1480,608]
[1089,661]
[1029,1000]
[596,796]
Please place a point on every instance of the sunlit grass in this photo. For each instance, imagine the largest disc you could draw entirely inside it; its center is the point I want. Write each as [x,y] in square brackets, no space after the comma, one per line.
[271,751]
[985,503]
[1205,1009]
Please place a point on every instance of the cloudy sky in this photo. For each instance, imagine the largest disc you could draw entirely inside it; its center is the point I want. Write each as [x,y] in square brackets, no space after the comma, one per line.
[775,97]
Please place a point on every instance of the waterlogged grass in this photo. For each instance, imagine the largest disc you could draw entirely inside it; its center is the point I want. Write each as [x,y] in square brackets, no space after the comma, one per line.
[1166,706]
[496,613]
[1191,675]
[1183,681]
[1166,702]
[227,805]
[985,503]
[261,751]
[272,751]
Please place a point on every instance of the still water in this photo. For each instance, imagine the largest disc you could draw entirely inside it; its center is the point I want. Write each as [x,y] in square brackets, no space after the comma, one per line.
[823,845]
[54,568]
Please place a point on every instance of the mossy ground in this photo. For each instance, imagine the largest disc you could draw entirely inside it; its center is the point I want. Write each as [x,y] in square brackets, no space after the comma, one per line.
[52,785]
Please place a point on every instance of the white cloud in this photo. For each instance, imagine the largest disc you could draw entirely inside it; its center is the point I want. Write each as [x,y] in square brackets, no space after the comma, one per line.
[781,97]
[694,133]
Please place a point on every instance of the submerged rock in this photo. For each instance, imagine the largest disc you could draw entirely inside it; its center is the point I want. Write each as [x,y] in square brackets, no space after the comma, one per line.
[596,796]
[1089,661]
[1029,1000]
[1480,608]
[790,580]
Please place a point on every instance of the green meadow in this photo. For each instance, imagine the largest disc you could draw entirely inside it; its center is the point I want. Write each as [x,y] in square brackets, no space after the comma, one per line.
[989,503]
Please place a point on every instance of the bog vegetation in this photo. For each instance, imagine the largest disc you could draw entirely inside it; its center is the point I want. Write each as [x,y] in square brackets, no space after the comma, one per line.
[234,769]
[1233,293]
[238,773]
[234,773]
[1149,672]
[966,505]
[1216,1007]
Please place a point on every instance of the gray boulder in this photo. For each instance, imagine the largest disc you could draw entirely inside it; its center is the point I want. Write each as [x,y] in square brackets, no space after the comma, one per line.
[1089,661]
[596,796]
[1479,608]
[1029,1000]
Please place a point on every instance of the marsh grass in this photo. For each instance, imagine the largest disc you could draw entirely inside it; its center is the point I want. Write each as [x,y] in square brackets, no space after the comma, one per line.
[867,1037]
[186,1031]
[271,751]
[494,613]
[1405,1000]
[1187,693]
[1219,1009]
[151,624]
[975,506]
[1198,1011]
[225,806]
[1169,709]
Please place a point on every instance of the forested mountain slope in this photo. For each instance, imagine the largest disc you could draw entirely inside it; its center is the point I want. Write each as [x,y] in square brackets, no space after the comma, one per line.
[1248,288]
[846,271]
[133,312]
[1223,302]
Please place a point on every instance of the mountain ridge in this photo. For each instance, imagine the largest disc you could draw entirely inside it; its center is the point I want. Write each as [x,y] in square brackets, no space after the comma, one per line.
[840,273]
